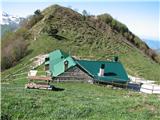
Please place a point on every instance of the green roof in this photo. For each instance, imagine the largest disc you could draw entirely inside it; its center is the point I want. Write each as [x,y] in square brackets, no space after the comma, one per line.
[113,71]
[56,61]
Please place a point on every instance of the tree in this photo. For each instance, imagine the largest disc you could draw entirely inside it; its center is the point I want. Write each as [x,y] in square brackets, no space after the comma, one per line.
[105,18]
[37,12]
[84,13]
[113,24]
[14,47]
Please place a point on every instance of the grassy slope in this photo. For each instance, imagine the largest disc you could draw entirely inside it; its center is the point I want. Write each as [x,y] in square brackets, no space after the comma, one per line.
[86,39]
[134,62]
[78,101]
[81,101]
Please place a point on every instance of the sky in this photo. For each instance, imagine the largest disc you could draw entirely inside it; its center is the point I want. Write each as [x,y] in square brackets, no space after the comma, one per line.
[141,17]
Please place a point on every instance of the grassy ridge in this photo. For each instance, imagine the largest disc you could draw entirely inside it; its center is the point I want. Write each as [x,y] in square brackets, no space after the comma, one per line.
[134,62]
[84,39]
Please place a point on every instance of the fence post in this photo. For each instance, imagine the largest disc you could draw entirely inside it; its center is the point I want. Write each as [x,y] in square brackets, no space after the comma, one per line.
[126,84]
[152,88]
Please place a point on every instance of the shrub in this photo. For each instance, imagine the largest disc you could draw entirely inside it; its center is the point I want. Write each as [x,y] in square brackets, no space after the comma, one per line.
[37,12]
[85,14]
[14,47]
[105,18]
[50,30]
[113,24]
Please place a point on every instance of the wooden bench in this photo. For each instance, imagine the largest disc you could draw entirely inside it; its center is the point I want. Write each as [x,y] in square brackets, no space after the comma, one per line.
[32,78]
[38,86]
[40,78]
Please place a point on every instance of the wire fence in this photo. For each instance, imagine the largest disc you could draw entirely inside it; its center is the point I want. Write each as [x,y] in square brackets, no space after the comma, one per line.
[19,70]
[138,84]
[13,76]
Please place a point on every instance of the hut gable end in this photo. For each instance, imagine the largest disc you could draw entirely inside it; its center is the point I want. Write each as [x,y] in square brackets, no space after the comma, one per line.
[74,74]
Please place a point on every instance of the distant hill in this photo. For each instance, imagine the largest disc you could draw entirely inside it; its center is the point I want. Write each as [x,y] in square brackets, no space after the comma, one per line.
[154,44]
[10,23]
[8,28]
[158,51]
[91,37]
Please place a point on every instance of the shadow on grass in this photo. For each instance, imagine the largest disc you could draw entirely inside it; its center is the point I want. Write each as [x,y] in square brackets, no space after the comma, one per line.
[57,88]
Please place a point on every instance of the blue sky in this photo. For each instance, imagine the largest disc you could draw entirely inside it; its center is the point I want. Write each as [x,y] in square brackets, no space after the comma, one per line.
[142,18]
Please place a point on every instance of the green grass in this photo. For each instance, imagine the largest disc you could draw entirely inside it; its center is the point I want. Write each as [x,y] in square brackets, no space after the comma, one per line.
[141,66]
[78,101]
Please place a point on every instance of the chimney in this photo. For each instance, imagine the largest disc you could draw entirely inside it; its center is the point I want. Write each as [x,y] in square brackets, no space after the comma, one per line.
[116,58]
[65,64]
[101,70]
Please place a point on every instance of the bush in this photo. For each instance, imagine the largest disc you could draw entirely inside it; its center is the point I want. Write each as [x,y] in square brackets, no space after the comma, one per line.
[50,30]
[113,24]
[121,28]
[14,47]
[37,12]
[105,18]
[85,14]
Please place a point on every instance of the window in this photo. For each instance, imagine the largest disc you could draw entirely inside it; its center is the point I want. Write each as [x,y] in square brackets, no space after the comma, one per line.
[46,67]
[47,59]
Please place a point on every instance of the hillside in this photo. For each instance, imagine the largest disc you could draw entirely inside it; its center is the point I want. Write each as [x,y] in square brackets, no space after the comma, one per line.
[87,37]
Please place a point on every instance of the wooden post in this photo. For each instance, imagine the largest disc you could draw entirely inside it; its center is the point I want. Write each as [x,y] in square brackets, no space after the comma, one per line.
[126,84]
[152,88]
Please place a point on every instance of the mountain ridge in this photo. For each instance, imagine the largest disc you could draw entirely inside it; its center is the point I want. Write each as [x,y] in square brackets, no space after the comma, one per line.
[117,26]
[10,22]
[10,19]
